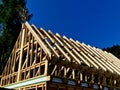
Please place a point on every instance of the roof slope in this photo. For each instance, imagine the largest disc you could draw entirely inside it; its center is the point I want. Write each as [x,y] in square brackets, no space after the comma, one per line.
[79,52]
[69,50]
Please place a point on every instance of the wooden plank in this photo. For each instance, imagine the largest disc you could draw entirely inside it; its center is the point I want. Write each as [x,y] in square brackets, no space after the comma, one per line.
[21,56]
[59,48]
[67,49]
[28,82]
[95,57]
[116,69]
[56,54]
[47,35]
[104,64]
[81,56]
[54,70]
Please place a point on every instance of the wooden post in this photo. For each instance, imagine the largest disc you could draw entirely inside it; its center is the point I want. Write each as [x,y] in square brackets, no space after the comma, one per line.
[92,81]
[98,79]
[21,55]
[114,82]
[111,81]
[104,80]
[46,67]
[81,77]
[73,72]
[65,71]
[85,77]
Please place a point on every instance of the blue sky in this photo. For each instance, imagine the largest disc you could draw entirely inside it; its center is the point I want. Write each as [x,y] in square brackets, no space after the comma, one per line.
[94,22]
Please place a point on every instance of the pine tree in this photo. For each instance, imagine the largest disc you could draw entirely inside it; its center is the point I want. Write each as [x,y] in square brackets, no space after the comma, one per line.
[115,50]
[12,14]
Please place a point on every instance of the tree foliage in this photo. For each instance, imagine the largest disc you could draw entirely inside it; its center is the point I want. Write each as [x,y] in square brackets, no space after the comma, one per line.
[12,14]
[115,50]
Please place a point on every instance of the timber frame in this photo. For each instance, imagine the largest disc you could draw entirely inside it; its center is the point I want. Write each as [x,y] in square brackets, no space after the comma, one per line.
[42,60]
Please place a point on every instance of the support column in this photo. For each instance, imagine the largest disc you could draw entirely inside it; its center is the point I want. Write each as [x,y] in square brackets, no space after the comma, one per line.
[104,80]
[46,67]
[65,71]
[21,54]
[92,81]
[81,77]
[73,72]
[98,79]
[111,81]
[85,77]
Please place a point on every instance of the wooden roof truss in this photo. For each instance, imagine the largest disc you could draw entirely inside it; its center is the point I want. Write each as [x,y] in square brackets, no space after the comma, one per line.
[40,53]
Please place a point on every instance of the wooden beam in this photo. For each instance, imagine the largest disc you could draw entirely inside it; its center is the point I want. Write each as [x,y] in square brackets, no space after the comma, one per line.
[55,67]
[28,82]
[46,67]
[38,39]
[21,55]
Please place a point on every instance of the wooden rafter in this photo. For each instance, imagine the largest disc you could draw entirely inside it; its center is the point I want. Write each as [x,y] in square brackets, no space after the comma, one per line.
[41,53]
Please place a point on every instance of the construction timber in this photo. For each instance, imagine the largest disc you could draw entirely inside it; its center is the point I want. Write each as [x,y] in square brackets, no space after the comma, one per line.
[41,60]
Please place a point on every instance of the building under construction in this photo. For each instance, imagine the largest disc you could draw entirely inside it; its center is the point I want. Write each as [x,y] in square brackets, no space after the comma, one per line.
[42,60]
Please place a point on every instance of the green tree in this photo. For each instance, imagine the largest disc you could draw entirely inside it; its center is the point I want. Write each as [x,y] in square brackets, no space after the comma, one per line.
[12,14]
[115,50]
